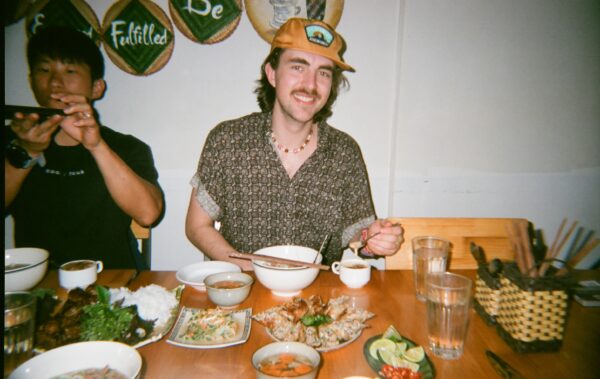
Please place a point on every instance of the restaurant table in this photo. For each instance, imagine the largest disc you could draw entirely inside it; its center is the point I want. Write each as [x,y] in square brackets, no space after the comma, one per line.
[390,296]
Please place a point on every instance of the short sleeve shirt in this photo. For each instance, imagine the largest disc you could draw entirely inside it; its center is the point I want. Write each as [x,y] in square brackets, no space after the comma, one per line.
[66,208]
[242,183]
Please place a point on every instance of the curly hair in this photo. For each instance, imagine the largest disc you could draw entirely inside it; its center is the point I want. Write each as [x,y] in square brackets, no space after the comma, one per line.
[265,92]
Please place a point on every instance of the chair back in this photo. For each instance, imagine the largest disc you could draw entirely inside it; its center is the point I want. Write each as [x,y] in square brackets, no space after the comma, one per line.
[143,236]
[489,233]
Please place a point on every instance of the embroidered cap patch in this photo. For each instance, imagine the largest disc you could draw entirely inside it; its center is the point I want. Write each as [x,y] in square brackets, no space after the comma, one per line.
[319,35]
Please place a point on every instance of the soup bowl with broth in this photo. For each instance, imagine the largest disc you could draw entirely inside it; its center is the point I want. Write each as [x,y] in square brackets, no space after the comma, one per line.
[286,360]
[228,289]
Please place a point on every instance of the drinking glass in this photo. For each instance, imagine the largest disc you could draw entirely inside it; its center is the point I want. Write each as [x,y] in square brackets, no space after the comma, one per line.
[430,254]
[448,304]
[19,317]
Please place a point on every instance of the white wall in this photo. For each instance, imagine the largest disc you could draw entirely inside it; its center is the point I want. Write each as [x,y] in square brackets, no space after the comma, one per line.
[462,108]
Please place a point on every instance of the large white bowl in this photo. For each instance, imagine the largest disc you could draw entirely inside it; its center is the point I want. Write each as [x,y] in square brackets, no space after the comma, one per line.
[81,356]
[276,348]
[193,275]
[286,281]
[24,278]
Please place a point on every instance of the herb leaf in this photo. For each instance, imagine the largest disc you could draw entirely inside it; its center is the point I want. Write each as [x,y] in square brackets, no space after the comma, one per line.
[315,320]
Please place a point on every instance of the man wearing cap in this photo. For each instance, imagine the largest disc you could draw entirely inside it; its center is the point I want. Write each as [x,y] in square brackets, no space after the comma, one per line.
[284,176]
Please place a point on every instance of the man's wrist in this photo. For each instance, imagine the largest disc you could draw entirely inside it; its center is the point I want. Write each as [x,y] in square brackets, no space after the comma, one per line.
[21,158]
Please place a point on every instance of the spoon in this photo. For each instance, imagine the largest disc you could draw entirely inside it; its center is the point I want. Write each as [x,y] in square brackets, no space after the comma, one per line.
[356,245]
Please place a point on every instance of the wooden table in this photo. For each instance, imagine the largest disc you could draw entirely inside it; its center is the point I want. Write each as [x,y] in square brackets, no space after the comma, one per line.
[390,295]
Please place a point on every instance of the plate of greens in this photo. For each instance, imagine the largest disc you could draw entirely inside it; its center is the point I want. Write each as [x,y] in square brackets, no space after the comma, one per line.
[97,313]
[391,353]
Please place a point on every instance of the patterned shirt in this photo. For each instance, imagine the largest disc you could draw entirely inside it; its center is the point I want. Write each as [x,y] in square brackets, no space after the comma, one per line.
[242,183]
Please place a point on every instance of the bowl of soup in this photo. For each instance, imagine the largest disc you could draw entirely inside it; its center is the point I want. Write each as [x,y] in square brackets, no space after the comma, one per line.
[24,267]
[286,360]
[228,289]
[286,280]
[93,359]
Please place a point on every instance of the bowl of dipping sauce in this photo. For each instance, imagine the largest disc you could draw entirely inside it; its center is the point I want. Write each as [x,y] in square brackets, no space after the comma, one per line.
[286,360]
[228,289]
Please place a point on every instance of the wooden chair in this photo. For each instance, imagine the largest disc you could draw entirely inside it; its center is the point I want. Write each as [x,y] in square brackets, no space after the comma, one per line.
[489,233]
[143,236]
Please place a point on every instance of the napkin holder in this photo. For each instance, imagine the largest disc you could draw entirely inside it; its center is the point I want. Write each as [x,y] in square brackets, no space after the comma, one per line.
[533,311]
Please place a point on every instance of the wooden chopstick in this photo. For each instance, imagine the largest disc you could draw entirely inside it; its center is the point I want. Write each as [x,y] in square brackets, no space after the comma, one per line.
[265,258]
[526,246]
[581,255]
[554,249]
[519,258]
[557,237]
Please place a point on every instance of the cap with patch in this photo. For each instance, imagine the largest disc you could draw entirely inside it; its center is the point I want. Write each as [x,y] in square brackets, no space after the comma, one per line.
[312,36]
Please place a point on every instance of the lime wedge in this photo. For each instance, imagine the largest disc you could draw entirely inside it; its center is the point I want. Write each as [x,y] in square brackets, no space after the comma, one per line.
[400,348]
[388,357]
[381,344]
[415,354]
[392,334]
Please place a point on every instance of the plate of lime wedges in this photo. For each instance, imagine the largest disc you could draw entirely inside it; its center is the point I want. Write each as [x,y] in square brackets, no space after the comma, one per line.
[391,352]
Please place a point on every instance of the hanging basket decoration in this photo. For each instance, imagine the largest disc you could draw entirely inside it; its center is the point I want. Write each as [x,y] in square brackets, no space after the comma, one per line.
[138,36]
[267,16]
[206,21]
[76,14]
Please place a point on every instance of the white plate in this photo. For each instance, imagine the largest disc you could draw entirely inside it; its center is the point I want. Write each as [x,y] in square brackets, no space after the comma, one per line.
[242,317]
[80,356]
[158,333]
[194,274]
[322,349]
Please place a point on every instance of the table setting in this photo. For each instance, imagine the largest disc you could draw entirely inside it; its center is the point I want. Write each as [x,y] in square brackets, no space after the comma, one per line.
[330,327]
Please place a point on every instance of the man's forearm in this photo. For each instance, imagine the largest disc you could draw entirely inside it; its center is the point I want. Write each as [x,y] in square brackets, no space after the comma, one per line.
[134,195]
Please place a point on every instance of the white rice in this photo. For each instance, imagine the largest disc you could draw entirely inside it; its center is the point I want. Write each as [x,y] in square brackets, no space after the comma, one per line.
[153,302]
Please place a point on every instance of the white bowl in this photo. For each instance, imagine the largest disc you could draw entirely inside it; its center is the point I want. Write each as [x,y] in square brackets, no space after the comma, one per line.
[286,281]
[276,348]
[228,297]
[26,277]
[193,275]
[81,356]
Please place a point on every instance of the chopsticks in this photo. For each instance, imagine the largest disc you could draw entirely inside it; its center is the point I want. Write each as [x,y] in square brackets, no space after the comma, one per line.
[265,258]
[575,254]
[519,238]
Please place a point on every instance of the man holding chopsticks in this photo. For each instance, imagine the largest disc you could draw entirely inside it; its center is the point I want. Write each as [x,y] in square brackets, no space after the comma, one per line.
[284,176]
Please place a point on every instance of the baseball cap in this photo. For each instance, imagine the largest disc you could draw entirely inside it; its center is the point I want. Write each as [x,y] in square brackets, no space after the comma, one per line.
[312,36]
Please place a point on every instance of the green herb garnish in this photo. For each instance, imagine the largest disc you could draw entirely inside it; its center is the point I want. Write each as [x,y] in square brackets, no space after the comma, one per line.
[315,320]
[102,321]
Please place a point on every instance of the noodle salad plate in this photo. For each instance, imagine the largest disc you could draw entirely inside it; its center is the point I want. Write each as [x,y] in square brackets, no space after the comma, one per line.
[211,328]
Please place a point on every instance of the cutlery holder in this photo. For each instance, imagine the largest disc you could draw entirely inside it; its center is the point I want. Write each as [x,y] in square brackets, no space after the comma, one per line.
[532,312]
[487,294]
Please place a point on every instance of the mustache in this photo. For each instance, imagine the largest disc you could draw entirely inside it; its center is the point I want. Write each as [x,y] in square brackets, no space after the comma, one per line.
[307,92]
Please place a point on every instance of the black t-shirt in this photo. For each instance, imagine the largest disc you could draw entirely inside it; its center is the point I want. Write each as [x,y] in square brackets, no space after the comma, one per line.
[65,207]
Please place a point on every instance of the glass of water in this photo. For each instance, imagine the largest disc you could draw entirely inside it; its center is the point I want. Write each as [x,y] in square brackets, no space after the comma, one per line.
[430,254]
[448,304]
[19,320]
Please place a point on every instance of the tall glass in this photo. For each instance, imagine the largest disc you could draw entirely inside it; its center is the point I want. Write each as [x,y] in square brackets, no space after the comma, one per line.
[430,254]
[448,304]
[19,317]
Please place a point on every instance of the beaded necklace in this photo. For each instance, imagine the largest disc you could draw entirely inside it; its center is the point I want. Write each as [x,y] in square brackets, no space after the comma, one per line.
[296,150]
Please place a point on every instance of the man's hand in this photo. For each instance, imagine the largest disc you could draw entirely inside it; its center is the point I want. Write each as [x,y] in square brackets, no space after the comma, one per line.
[389,239]
[80,123]
[33,135]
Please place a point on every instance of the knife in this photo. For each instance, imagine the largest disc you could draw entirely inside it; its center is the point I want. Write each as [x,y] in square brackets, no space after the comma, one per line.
[502,368]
